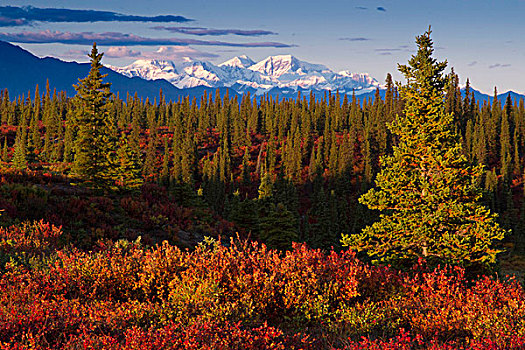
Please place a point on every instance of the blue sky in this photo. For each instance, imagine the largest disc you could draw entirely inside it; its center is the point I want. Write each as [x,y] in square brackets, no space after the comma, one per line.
[482,40]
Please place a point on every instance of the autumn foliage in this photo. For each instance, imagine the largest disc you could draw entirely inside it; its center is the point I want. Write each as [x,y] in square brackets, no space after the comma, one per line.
[238,295]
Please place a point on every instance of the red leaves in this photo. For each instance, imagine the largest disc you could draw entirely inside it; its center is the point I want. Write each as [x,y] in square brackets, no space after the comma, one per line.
[243,296]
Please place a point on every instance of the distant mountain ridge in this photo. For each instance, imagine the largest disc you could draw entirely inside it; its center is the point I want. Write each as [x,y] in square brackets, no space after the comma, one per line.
[21,71]
[241,73]
[279,76]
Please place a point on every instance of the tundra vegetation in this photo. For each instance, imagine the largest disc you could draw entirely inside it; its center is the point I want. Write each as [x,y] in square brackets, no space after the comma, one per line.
[240,222]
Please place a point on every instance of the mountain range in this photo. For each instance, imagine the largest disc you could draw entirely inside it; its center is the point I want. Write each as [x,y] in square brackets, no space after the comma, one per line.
[284,72]
[283,76]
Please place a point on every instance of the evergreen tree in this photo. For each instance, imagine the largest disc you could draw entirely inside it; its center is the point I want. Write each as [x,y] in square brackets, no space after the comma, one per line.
[148,168]
[244,214]
[19,153]
[94,146]
[68,140]
[165,172]
[128,172]
[320,234]
[506,142]
[427,191]
[246,178]
[278,228]
[266,187]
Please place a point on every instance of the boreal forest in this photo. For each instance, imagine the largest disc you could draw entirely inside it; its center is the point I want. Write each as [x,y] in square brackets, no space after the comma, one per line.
[253,222]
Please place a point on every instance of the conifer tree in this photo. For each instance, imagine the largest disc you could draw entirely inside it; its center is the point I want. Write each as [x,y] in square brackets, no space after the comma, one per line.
[278,228]
[246,166]
[245,214]
[128,172]
[94,145]
[19,153]
[506,141]
[165,172]
[188,158]
[68,139]
[266,187]
[427,190]
[148,168]
[320,231]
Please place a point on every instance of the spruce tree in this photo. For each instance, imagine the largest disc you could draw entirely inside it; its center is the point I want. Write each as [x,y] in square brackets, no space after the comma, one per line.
[94,145]
[266,187]
[165,172]
[19,152]
[148,168]
[278,229]
[128,172]
[427,191]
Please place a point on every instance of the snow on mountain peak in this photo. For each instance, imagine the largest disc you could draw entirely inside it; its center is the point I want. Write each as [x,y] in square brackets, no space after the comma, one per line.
[242,61]
[281,71]
[150,70]
[277,66]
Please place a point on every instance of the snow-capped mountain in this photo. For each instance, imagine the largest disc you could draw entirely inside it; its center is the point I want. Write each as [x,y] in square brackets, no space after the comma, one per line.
[63,75]
[286,65]
[242,73]
[149,70]
[242,61]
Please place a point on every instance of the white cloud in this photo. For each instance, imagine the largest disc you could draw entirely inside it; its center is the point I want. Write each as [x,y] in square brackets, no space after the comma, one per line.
[176,53]
[120,51]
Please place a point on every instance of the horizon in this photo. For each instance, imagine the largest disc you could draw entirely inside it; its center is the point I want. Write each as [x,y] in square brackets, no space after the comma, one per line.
[362,37]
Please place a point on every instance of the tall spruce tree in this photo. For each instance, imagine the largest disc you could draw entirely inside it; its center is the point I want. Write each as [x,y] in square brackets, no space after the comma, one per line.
[94,145]
[427,191]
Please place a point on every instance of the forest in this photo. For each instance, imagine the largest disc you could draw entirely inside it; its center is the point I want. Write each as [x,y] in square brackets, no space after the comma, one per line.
[233,222]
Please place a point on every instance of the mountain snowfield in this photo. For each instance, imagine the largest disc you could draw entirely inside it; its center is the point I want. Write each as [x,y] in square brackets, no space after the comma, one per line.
[242,73]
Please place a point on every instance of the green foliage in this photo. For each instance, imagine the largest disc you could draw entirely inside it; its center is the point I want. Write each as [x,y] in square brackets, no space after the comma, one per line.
[128,172]
[94,145]
[19,155]
[265,187]
[222,145]
[277,227]
[428,192]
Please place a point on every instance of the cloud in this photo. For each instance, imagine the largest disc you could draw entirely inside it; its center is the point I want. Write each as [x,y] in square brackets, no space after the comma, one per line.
[388,50]
[355,39]
[499,65]
[27,14]
[176,53]
[118,39]
[361,8]
[382,9]
[12,22]
[200,31]
[472,64]
[75,54]
[172,53]
[120,51]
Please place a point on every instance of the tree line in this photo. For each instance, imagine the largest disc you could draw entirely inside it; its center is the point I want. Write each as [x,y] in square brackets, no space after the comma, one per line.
[280,169]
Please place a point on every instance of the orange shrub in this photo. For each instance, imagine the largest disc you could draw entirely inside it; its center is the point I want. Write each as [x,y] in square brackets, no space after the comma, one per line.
[237,296]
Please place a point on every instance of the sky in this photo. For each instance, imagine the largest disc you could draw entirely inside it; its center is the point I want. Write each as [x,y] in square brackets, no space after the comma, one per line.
[482,40]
